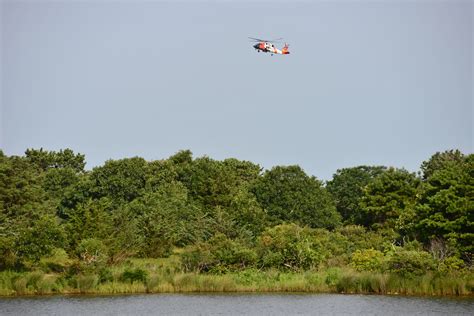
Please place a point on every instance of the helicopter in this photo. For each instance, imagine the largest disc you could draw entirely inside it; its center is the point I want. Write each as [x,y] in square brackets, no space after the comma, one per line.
[267,46]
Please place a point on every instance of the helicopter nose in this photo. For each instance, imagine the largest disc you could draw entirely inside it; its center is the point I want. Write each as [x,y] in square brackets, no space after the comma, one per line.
[256,46]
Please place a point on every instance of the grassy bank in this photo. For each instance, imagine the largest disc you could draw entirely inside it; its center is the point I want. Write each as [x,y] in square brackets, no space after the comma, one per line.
[158,276]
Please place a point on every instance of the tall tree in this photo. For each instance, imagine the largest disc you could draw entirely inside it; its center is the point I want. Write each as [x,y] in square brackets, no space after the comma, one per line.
[51,159]
[288,194]
[390,198]
[347,187]
[122,180]
[28,227]
[214,183]
[446,204]
[440,160]
[166,218]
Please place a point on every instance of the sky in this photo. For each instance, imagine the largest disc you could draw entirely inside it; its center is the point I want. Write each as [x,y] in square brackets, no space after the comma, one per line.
[367,82]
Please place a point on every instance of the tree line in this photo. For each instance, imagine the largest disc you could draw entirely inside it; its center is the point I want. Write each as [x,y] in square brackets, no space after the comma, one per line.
[230,215]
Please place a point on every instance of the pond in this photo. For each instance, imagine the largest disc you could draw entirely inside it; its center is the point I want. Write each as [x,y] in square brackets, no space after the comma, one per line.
[236,304]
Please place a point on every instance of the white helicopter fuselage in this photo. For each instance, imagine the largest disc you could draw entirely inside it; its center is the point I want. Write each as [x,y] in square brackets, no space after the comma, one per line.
[270,48]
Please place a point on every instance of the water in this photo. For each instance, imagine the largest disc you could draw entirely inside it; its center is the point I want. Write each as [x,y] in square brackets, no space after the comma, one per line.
[236,304]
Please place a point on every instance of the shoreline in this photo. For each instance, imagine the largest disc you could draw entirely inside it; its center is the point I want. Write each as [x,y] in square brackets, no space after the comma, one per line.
[223,293]
[330,281]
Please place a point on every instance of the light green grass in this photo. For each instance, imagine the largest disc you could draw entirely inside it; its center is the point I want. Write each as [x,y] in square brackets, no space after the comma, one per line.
[165,276]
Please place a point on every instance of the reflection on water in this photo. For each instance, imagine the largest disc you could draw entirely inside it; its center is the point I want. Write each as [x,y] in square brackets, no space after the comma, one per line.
[236,304]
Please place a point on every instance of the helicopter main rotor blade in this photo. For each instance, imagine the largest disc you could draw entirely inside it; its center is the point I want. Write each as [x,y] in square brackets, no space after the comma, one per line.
[276,40]
[263,40]
[257,39]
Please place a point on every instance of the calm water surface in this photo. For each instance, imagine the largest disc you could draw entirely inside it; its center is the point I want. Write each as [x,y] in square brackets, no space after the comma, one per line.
[236,304]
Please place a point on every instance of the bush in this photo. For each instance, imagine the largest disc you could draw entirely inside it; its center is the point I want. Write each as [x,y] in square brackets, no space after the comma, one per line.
[136,275]
[92,250]
[360,238]
[231,254]
[410,262]
[8,256]
[367,260]
[58,261]
[105,275]
[450,264]
[290,246]
[333,276]
[219,254]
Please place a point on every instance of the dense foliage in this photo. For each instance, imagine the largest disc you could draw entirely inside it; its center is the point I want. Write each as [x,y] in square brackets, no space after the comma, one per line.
[230,215]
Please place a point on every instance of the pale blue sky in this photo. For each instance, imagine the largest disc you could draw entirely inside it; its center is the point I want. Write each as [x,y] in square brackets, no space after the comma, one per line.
[367,82]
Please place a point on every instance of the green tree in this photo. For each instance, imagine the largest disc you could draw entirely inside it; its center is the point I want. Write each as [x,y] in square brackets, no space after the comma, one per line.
[287,194]
[40,237]
[347,187]
[213,183]
[91,219]
[28,229]
[167,218]
[125,238]
[50,159]
[247,215]
[78,193]
[121,180]
[219,189]
[446,204]
[389,200]
[20,186]
[441,160]
[160,172]
[57,181]
[182,157]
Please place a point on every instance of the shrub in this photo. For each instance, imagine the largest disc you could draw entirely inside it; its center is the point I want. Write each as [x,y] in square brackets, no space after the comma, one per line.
[410,262]
[8,256]
[105,275]
[135,275]
[333,275]
[230,253]
[58,261]
[359,238]
[367,260]
[450,264]
[219,254]
[197,258]
[92,252]
[290,246]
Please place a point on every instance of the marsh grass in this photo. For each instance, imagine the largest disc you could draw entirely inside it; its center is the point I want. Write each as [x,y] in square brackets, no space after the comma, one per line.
[86,283]
[19,285]
[48,284]
[384,283]
[164,276]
